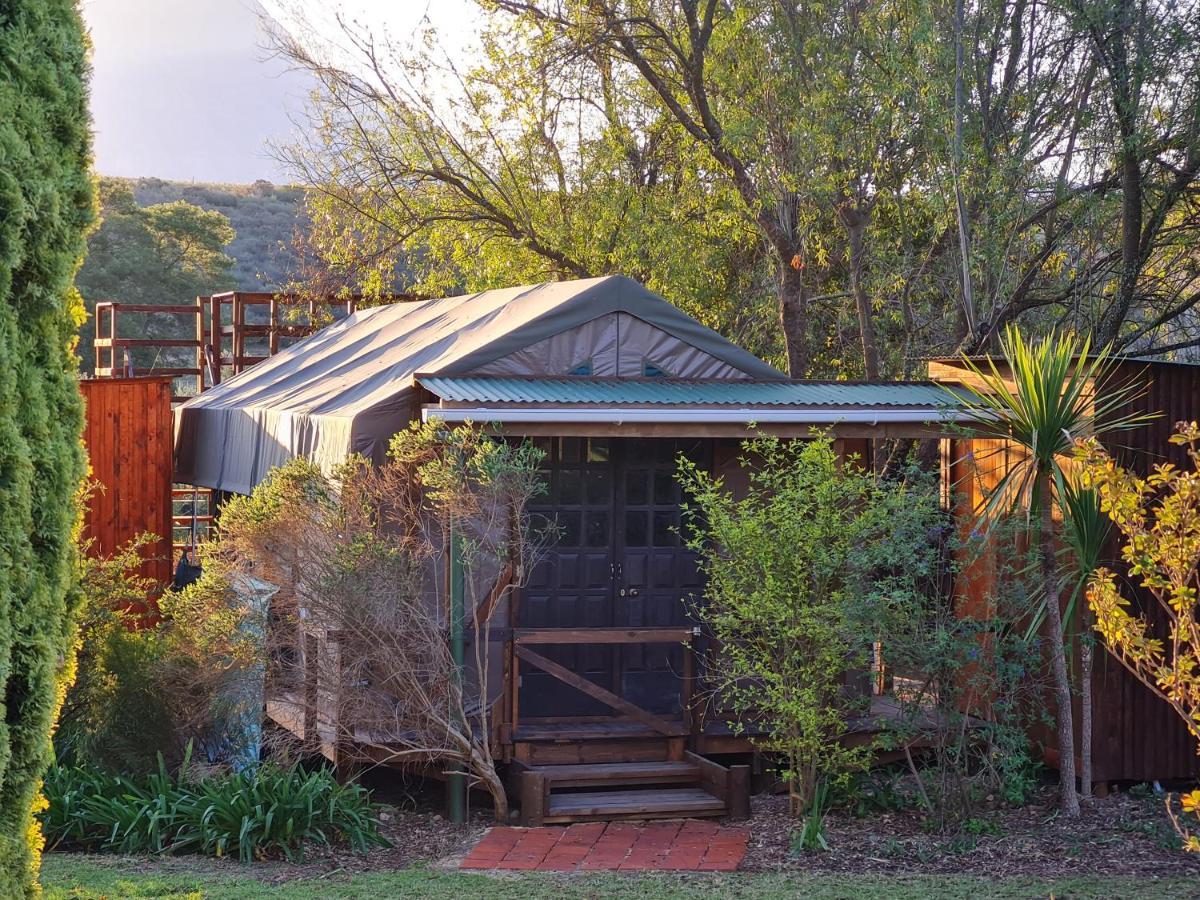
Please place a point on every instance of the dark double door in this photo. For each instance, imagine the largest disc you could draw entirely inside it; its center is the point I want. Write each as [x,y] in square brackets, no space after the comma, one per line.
[617,562]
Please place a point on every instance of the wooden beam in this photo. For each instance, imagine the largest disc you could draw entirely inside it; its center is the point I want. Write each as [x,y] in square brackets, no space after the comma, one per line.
[593,690]
[487,606]
[602,635]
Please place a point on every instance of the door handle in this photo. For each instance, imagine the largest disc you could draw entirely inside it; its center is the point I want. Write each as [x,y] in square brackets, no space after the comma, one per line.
[633,592]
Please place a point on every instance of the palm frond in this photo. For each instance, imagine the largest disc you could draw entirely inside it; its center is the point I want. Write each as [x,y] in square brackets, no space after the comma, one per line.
[1054,391]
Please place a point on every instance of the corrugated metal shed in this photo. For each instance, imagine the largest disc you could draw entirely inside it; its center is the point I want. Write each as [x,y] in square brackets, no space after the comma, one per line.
[668,392]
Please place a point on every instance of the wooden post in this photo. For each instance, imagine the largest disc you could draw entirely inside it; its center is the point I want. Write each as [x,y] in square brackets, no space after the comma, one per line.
[112,343]
[456,782]
[533,798]
[214,336]
[311,649]
[737,794]
[201,382]
[273,331]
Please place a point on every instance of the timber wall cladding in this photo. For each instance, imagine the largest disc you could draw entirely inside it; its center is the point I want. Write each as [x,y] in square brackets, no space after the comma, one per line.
[129,438]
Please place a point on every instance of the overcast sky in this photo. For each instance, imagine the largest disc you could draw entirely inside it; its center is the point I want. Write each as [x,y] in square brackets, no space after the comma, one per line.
[185,89]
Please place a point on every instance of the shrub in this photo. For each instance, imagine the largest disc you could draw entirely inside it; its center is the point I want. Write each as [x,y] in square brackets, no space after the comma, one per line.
[967,685]
[115,715]
[796,570]
[1158,519]
[258,813]
[46,208]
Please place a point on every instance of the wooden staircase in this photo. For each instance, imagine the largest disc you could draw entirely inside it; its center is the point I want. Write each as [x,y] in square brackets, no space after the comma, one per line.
[584,775]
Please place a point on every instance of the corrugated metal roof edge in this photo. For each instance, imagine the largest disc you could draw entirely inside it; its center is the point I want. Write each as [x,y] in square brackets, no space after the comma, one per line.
[925,382]
[736,387]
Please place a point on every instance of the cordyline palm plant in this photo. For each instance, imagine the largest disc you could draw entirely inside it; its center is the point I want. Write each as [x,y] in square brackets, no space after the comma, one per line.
[1048,398]
[1086,534]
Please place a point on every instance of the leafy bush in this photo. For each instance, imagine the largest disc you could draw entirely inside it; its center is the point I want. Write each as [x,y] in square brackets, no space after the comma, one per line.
[260,812]
[797,571]
[115,715]
[967,685]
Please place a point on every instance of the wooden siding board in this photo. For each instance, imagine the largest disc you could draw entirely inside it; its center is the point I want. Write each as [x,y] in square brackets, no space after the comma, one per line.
[128,435]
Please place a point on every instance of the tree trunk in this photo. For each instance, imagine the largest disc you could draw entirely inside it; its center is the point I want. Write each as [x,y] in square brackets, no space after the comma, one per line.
[1124,82]
[854,220]
[1085,712]
[793,315]
[1068,798]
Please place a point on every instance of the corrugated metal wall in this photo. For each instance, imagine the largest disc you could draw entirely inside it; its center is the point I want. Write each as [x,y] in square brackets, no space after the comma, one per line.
[1137,736]
[129,439]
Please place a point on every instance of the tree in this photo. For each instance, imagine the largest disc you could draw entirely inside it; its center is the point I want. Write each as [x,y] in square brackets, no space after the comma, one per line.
[1158,518]
[1050,393]
[46,208]
[808,156]
[790,628]
[436,177]
[163,254]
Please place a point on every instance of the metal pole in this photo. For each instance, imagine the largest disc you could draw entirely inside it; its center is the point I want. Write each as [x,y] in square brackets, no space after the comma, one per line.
[456,787]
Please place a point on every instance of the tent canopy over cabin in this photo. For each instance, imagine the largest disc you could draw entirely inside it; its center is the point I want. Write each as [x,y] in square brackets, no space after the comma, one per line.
[350,387]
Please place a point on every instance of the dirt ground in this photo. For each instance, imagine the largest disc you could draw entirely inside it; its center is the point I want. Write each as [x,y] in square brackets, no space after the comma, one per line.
[1121,834]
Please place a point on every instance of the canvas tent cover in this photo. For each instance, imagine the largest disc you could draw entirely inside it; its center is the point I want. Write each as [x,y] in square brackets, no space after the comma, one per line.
[351,386]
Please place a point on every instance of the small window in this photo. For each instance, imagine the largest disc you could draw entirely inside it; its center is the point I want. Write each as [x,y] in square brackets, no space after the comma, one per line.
[652,370]
[584,368]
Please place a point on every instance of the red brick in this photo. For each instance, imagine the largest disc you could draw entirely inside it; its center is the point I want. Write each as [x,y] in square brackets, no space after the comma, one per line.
[699,828]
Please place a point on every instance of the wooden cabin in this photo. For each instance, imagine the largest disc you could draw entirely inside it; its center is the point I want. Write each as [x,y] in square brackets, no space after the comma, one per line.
[1136,737]
[597,714]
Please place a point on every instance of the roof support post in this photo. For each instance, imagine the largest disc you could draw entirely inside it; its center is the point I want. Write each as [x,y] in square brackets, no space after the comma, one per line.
[456,783]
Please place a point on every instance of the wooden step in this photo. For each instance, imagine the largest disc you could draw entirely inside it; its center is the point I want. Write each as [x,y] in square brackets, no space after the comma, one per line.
[655,803]
[613,729]
[620,773]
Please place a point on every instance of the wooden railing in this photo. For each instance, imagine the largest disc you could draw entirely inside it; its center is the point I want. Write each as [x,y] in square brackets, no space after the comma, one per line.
[524,639]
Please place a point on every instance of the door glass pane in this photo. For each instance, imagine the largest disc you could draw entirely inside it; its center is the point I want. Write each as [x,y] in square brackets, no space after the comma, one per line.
[598,450]
[568,529]
[636,487]
[597,528]
[635,529]
[570,487]
[664,487]
[664,535]
[570,449]
[599,486]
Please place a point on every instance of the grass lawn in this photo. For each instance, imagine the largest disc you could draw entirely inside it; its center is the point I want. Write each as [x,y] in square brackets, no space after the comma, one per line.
[76,876]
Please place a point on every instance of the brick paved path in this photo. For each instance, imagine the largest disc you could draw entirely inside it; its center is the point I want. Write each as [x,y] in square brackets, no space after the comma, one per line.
[682,845]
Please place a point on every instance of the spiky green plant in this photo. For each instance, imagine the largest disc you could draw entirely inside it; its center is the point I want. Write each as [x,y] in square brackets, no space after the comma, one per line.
[1052,392]
[1086,535]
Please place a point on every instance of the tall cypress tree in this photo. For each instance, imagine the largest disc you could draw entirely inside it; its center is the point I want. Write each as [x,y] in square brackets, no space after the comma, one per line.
[46,208]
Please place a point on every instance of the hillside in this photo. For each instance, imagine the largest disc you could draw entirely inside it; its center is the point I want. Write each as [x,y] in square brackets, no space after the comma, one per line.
[264,215]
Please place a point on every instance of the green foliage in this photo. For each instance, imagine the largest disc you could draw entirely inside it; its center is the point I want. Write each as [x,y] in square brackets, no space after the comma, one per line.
[254,814]
[876,791]
[967,684]
[164,254]
[264,216]
[149,687]
[812,835]
[46,208]
[794,571]
[115,715]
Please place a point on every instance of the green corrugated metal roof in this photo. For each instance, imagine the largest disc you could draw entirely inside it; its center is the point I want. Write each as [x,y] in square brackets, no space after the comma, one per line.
[620,392]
